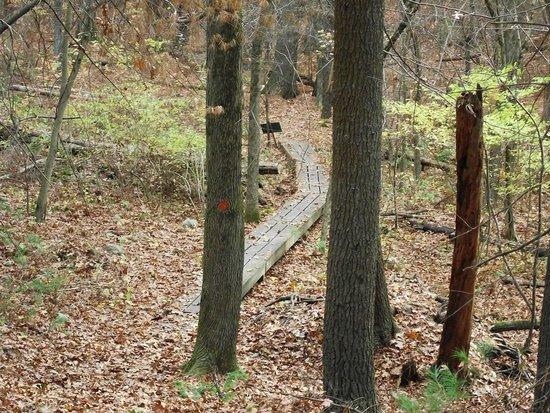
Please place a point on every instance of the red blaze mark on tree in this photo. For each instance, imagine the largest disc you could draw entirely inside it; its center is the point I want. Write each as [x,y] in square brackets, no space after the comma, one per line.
[223,205]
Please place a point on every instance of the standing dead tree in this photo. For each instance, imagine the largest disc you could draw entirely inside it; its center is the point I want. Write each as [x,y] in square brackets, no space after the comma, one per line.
[469,155]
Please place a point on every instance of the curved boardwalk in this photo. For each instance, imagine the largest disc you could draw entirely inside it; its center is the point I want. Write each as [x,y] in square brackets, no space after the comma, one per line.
[270,240]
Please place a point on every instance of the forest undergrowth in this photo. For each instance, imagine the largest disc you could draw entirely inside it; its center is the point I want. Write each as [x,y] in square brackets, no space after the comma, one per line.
[91,316]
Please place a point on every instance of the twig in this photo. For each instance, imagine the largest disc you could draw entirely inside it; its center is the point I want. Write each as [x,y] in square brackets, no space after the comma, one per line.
[508,252]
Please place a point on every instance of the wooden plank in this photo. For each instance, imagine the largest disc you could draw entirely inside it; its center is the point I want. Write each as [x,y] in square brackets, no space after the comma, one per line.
[271,240]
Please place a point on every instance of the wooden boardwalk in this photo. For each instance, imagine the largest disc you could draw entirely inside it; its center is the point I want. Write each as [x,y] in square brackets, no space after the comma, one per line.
[270,240]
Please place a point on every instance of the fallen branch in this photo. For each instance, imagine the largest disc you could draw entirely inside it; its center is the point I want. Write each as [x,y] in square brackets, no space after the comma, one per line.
[295,299]
[431,227]
[513,325]
[525,283]
[53,92]
[450,232]
[21,171]
[427,163]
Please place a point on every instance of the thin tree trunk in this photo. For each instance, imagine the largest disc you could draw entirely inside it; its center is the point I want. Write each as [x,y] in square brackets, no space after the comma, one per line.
[354,253]
[57,27]
[546,105]
[326,221]
[542,384]
[510,226]
[326,104]
[469,39]
[324,62]
[252,210]
[67,83]
[215,345]
[417,97]
[469,150]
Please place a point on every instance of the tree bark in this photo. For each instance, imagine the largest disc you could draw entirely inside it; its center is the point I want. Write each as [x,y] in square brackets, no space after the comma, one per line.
[469,150]
[354,253]
[542,386]
[215,345]
[252,210]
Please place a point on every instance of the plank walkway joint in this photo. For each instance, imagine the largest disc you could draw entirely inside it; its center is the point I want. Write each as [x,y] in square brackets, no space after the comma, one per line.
[271,240]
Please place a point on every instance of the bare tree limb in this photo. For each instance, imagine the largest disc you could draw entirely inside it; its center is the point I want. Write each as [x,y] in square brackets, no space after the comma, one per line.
[17,14]
[410,9]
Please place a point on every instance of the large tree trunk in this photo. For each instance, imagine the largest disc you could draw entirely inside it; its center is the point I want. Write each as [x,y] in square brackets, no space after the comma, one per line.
[354,253]
[252,211]
[542,386]
[215,346]
[469,150]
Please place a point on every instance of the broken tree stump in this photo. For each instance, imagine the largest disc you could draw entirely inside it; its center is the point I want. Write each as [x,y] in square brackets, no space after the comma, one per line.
[469,155]
[409,374]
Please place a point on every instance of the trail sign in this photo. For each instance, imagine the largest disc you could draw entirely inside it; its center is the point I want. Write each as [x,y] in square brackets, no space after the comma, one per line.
[271,127]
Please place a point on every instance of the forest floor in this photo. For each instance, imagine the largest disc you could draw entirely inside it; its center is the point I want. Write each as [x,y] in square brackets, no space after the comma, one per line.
[93,321]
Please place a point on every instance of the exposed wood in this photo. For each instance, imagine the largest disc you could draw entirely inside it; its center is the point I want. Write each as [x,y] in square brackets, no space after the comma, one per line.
[269,241]
[512,325]
[469,155]
[268,169]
